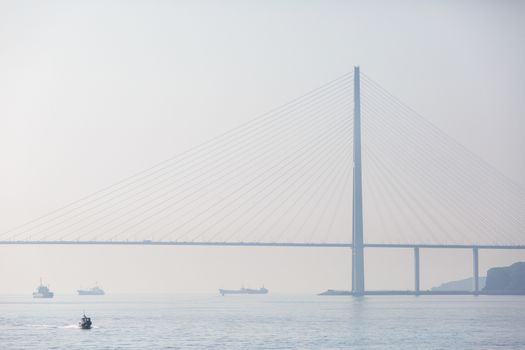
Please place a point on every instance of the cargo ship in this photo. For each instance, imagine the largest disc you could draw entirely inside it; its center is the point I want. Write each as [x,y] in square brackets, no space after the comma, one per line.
[43,292]
[91,291]
[243,290]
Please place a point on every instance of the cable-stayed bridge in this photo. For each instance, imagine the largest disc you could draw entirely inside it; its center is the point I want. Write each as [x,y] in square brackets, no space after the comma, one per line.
[346,165]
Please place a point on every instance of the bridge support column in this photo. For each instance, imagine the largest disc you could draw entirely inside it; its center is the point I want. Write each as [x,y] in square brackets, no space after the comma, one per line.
[475,279]
[416,270]
[358,267]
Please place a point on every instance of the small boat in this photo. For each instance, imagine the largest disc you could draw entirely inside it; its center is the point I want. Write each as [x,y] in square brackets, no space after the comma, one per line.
[43,292]
[85,322]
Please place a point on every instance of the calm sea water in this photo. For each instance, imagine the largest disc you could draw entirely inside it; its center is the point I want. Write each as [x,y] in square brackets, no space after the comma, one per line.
[264,322]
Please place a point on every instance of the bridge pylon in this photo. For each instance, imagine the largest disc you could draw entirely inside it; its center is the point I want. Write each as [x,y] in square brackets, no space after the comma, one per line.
[358,267]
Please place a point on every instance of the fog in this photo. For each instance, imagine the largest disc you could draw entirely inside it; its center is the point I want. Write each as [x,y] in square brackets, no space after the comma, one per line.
[92,92]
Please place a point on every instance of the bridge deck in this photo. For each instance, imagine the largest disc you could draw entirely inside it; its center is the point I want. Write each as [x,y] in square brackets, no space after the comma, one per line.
[434,292]
[267,244]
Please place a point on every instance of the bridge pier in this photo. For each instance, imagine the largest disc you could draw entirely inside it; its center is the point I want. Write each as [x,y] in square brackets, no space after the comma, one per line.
[416,270]
[475,279]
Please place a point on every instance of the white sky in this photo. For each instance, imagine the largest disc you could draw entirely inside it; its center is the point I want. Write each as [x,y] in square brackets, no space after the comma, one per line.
[91,92]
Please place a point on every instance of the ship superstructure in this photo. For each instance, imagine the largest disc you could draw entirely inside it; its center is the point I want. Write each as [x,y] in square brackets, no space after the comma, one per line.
[43,292]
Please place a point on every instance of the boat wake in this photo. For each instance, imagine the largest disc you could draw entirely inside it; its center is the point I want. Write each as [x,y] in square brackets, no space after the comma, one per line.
[41,326]
[69,326]
[75,326]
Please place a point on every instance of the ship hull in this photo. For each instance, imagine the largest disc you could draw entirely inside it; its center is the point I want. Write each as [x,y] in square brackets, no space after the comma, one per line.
[85,323]
[43,296]
[331,292]
[243,291]
[84,292]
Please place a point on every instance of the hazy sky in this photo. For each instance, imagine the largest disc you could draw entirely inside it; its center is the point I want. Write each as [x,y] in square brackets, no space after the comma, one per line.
[93,91]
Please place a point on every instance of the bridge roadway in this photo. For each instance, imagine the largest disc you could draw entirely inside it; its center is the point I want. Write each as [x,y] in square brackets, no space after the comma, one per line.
[414,246]
[264,244]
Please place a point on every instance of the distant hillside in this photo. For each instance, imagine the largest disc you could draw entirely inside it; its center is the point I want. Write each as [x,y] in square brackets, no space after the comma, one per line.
[510,278]
[465,284]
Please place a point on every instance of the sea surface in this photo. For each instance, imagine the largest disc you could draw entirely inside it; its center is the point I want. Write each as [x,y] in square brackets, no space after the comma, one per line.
[263,322]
